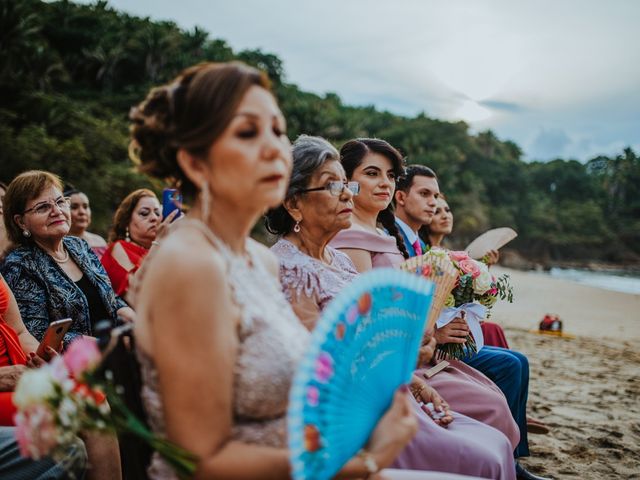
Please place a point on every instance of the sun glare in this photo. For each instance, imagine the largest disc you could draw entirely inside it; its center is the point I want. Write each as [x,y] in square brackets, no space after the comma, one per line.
[471,112]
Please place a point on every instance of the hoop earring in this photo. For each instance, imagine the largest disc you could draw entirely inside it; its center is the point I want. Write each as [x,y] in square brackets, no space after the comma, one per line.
[126,234]
[296,227]
[205,199]
[26,233]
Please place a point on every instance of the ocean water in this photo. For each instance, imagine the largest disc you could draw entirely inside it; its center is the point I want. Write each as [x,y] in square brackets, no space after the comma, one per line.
[615,281]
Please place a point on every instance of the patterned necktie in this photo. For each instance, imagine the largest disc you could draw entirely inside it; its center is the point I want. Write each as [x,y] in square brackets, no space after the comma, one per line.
[417,248]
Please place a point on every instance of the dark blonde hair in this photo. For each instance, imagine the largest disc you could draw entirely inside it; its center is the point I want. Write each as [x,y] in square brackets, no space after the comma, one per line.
[190,113]
[123,214]
[22,189]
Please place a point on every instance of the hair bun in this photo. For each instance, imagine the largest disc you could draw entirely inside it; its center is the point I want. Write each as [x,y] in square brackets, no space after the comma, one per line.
[152,133]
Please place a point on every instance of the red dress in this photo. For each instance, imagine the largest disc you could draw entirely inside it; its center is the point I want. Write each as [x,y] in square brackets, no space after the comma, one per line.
[10,354]
[117,274]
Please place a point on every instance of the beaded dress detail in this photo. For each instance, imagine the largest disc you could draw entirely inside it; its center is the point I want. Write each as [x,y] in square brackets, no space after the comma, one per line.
[271,343]
[301,274]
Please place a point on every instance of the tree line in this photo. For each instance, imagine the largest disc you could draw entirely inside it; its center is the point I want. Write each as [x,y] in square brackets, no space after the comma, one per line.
[69,74]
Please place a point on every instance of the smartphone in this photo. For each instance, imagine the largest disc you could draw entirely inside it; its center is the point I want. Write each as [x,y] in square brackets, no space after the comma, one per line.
[53,336]
[171,200]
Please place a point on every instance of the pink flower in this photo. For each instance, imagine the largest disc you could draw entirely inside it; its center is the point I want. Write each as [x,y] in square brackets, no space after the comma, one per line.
[469,266]
[82,355]
[352,314]
[313,396]
[324,367]
[35,432]
[458,256]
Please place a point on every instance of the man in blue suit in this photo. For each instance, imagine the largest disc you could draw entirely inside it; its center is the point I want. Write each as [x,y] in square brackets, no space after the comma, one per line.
[415,200]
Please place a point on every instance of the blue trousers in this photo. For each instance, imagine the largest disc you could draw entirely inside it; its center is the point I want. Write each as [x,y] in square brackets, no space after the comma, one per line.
[509,370]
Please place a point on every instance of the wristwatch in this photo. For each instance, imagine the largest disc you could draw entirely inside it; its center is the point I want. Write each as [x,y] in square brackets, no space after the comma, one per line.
[369,462]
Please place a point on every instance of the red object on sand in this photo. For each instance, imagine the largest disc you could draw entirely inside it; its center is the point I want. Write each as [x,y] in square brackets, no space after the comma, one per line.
[551,323]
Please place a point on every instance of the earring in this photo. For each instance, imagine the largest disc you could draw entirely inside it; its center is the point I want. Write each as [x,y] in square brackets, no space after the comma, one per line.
[296,227]
[126,235]
[205,202]
[26,233]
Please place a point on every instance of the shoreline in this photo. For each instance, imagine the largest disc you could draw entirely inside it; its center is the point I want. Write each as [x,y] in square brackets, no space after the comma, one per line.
[584,310]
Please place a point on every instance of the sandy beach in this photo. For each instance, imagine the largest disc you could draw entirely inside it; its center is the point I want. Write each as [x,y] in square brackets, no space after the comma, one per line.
[587,388]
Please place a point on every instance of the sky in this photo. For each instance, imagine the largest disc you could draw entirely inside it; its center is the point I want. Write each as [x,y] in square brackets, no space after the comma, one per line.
[561,78]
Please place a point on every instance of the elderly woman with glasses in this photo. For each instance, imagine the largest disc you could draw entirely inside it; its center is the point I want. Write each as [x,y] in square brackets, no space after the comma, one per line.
[52,275]
[318,205]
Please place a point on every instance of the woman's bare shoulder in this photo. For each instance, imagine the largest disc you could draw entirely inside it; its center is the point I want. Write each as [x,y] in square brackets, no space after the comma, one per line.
[266,256]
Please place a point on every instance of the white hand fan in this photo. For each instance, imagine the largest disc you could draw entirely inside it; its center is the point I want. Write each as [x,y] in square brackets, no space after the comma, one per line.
[490,240]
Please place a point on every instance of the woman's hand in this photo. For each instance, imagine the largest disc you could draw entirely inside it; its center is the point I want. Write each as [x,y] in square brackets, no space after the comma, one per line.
[491,257]
[9,377]
[453,332]
[127,314]
[36,361]
[424,393]
[395,429]
[165,226]
[428,348]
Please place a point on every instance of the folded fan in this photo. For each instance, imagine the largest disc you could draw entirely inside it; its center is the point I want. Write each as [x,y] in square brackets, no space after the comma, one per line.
[362,349]
[435,266]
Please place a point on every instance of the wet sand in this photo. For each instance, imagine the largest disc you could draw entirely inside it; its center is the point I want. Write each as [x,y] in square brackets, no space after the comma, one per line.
[587,389]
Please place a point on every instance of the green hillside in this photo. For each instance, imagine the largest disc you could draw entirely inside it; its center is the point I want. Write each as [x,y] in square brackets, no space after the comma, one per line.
[70,73]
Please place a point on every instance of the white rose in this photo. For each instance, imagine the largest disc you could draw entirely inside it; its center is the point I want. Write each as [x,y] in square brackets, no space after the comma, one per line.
[34,387]
[482,283]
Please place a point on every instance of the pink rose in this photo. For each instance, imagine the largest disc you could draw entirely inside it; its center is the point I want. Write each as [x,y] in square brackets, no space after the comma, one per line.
[36,432]
[469,266]
[82,355]
[458,256]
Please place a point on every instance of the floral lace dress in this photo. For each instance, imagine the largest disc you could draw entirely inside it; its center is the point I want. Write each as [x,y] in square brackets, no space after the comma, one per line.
[272,342]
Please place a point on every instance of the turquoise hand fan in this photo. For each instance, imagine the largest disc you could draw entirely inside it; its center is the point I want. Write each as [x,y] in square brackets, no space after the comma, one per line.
[364,346]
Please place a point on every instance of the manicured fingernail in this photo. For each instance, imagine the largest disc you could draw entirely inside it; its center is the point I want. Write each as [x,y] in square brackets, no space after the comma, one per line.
[404,388]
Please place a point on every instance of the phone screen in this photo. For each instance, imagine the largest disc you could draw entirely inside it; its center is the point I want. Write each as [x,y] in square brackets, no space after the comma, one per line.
[171,200]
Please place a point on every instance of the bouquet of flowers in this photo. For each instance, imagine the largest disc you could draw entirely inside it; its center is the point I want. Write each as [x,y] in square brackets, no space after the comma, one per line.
[475,293]
[67,396]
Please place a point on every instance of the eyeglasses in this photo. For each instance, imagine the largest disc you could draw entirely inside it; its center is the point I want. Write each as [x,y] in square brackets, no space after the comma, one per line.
[336,188]
[45,208]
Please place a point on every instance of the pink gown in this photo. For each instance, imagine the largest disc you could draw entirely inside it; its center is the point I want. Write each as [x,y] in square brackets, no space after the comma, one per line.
[467,446]
[465,389]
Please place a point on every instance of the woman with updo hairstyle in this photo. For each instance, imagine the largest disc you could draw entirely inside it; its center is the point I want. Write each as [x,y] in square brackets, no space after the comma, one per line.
[209,295]
[373,239]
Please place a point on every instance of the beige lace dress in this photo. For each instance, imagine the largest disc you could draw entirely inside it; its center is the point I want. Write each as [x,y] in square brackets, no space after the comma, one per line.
[272,342]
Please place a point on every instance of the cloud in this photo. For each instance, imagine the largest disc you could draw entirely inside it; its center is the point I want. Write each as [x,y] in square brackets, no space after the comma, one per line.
[509,107]
[558,78]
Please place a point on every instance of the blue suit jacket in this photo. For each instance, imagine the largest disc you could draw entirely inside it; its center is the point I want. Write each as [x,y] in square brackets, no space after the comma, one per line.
[408,245]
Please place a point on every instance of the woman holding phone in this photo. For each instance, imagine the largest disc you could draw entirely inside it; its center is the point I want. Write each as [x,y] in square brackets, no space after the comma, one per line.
[17,353]
[52,275]
[209,294]
[136,225]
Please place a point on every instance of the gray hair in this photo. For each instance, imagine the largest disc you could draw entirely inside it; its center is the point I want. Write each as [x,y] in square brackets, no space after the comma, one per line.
[309,154]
